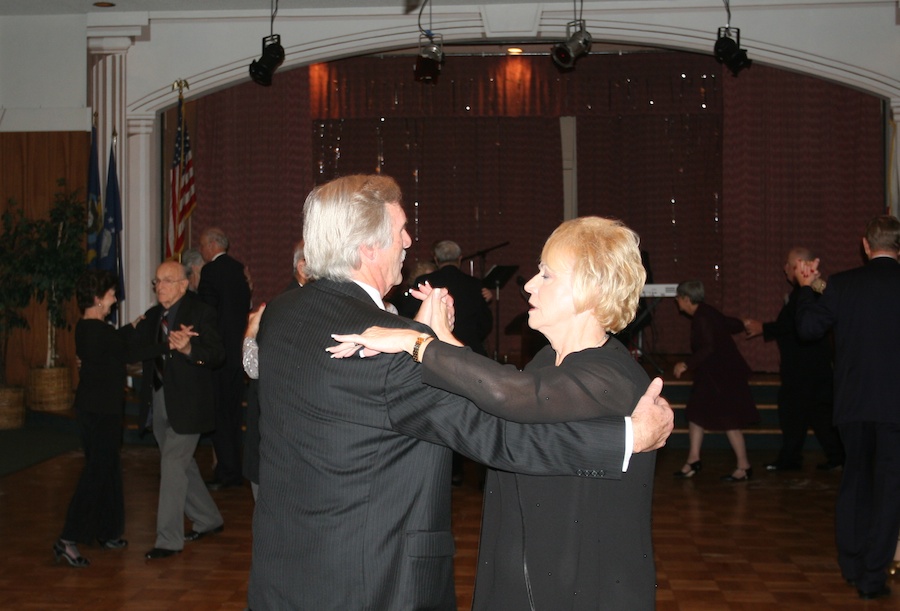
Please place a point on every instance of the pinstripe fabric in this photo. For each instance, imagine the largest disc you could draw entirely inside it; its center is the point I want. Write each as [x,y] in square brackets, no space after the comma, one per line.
[354,500]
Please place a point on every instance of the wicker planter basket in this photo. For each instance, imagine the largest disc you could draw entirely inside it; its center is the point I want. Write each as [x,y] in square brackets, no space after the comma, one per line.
[49,390]
[12,408]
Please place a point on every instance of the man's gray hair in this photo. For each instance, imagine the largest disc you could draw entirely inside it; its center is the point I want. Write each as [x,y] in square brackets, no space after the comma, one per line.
[189,259]
[214,234]
[692,289]
[341,216]
[447,251]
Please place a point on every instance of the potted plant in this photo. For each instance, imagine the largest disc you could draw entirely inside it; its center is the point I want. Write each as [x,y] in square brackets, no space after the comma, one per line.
[57,263]
[16,241]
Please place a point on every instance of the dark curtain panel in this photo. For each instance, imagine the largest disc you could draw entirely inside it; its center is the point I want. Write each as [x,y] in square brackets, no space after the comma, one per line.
[803,165]
[252,156]
[661,175]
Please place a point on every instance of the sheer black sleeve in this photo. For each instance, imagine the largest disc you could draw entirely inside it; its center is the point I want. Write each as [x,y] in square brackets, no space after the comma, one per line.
[587,385]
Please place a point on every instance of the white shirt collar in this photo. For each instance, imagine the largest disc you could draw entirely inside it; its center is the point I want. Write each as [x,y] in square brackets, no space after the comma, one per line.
[373,293]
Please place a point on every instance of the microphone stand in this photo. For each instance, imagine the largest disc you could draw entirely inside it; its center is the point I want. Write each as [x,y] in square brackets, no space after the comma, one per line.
[482,254]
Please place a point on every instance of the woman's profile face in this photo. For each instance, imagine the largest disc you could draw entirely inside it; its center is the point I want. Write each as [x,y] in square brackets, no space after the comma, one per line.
[552,308]
[107,301]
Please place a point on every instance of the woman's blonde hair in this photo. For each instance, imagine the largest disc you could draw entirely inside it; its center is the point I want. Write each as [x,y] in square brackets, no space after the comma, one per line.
[607,272]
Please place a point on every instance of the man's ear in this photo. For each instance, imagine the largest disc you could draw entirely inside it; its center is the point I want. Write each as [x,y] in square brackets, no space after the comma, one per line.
[367,252]
[866,248]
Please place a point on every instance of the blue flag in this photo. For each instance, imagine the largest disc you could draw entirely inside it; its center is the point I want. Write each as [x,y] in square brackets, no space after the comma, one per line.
[109,247]
[94,205]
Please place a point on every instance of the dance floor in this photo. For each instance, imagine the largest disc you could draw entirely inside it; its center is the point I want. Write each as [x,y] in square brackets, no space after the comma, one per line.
[765,544]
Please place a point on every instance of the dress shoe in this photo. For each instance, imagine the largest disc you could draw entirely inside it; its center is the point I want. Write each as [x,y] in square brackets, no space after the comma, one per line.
[829,466]
[879,593]
[68,551]
[775,466]
[194,535]
[693,469]
[216,484]
[748,473]
[113,543]
[158,552]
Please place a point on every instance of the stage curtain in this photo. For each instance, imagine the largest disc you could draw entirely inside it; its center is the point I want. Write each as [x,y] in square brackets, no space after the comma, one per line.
[719,175]
[803,165]
[252,159]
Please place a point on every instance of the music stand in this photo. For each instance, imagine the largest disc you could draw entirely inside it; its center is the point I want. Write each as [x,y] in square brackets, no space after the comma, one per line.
[496,279]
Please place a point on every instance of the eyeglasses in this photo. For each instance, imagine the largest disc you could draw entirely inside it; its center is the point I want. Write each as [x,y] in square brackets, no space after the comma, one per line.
[157,281]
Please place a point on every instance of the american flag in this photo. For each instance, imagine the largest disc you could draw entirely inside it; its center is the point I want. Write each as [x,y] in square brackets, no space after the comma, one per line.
[183,198]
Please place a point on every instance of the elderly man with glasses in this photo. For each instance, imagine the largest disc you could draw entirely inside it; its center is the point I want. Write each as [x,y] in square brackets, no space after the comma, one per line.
[183,347]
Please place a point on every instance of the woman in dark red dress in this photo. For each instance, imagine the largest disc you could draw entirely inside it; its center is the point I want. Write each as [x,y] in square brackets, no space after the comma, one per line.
[720,399]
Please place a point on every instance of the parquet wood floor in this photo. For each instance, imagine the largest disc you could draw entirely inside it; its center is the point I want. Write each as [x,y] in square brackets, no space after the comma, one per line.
[766,544]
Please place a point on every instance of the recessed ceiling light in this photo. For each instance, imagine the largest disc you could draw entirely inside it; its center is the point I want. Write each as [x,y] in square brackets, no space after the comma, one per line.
[104,4]
[514,51]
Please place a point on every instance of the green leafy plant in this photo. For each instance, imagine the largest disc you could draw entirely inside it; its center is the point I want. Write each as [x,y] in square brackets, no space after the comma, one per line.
[16,252]
[58,260]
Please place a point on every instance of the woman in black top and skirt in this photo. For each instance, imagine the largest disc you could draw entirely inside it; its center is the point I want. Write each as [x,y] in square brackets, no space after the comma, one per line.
[97,509]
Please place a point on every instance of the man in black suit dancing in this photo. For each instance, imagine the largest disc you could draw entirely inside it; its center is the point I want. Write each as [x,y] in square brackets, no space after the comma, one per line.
[177,390]
[224,286]
[805,398]
[861,305]
[354,493]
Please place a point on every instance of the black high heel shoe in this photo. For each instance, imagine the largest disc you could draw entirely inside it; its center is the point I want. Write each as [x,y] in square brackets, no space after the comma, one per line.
[69,552]
[694,469]
[748,473]
[113,543]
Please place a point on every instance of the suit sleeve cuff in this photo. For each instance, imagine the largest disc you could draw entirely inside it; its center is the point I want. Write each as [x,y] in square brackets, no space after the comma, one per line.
[629,443]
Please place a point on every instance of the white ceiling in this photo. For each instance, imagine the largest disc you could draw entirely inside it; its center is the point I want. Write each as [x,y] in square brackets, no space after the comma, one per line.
[79,7]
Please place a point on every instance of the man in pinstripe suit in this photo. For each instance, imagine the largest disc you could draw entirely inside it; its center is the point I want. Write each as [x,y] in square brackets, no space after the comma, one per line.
[354,493]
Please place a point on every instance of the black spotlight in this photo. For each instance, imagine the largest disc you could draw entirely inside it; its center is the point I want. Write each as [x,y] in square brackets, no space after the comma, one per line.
[578,43]
[728,50]
[261,70]
[430,59]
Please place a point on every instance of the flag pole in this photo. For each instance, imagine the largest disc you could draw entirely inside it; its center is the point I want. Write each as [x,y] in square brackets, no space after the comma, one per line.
[180,85]
[120,322]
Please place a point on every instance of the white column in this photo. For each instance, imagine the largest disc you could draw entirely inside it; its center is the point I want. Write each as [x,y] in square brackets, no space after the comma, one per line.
[132,139]
[141,216]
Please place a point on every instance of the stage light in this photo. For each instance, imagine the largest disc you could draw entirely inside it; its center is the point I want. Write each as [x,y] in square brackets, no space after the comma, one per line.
[727,50]
[577,43]
[261,70]
[431,51]
[430,58]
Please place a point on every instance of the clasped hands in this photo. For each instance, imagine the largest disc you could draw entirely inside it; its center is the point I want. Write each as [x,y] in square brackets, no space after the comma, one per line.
[180,339]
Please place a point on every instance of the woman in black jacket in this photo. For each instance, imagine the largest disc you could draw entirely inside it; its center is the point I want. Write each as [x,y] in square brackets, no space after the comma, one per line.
[97,509]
